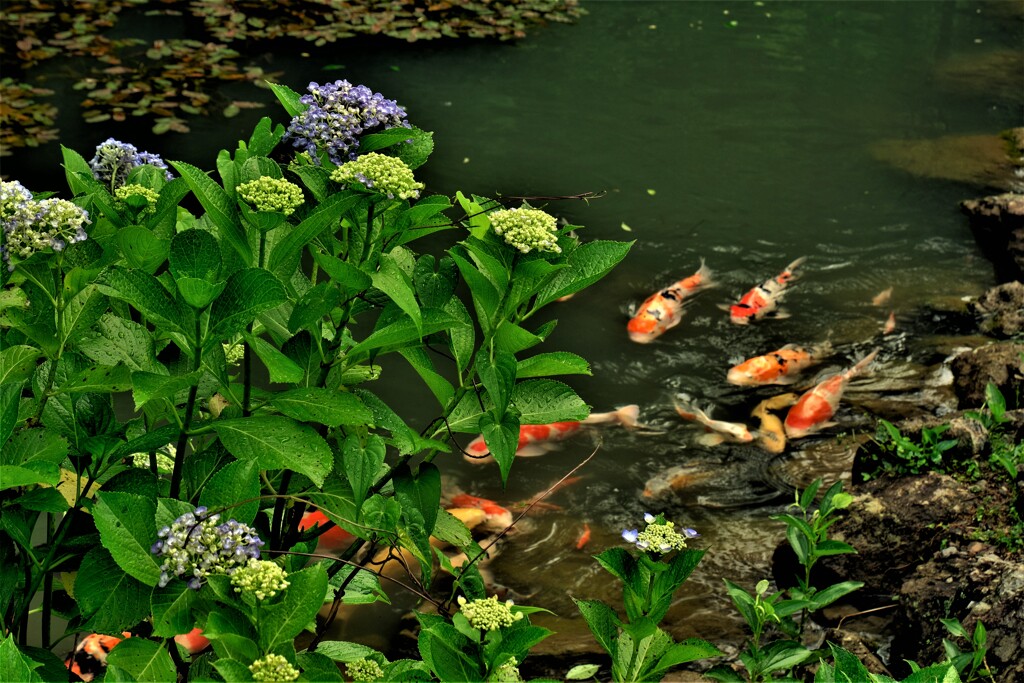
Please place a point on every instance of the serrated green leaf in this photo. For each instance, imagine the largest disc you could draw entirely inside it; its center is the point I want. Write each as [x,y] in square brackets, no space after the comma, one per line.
[109,599]
[15,665]
[325,216]
[248,293]
[393,281]
[219,208]
[328,407]
[280,367]
[554,363]
[144,659]
[543,401]
[281,622]
[115,340]
[289,99]
[17,363]
[127,527]
[146,294]
[230,487]
[586,264]
[275,442]
[81,313]
[98,378]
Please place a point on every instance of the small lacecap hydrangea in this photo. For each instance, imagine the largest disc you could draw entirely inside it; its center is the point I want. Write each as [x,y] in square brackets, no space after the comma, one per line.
[526,229]
[660,536]
[507,672]
[380,173]
[114,159]
[364,670]
[148,195]
[195,546]
[273,668]
[30,226]
[261,578]
[272,194]
[487,614]
[337,115]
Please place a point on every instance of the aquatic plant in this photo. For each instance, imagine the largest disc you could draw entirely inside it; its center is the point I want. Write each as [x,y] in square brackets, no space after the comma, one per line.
[25,121]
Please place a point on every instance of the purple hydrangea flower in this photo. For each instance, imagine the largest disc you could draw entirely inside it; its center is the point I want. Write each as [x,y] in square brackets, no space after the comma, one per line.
[337,115]
[195,545]
[114,159]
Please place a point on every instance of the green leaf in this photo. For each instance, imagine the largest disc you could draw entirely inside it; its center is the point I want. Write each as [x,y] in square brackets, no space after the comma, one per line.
[81,313]
[195,264]
[416,153]
[461,333]
[362,464]
[385,138]
[17,363]
[325,216]
[393,281]
[248,293]
[444,649]
[174,608]
[400,333]
[75,163]
[502,439]
[485,297]
[145,293]
[230,486]
[143,659]
[115,340]
[275,442]
[288,98]
[603,622]
[15,665]
[543,401]
[110,600]
[34,445]
[420,361]
[127,527]
[147,386]
[582,672]
[326,406]
[421,491]
[317,667]
[498,375]
[434,287]
[587,264]
[281,622]
[219,208]
[313,306]
[10,400]
[97,379]
[344,651]
[280,367]
[141,248]
[555,363]
[348,277]
[13,476]
[232,670]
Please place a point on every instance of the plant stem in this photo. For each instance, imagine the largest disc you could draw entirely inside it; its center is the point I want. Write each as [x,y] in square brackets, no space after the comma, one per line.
[190,406]
[275,527]
[369,233]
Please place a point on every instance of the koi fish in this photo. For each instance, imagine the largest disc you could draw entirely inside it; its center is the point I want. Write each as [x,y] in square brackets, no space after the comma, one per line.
[497,517]
[771,435]
[882,298]
[333,541]
[890,324]
[584,537]
[763,300]
[90,657]
[777,367]
[662,310]
[675,479]
[719,431]
[194,641]
[816,407]
[537,439]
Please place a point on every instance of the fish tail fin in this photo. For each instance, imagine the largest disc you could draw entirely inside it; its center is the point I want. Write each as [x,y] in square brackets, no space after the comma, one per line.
[629,415]
[687,410]
[863,363]
[796,264]
[706,274]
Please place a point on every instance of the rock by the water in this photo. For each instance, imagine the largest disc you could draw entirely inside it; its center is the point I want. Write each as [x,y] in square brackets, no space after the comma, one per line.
[997,223]
[998,363]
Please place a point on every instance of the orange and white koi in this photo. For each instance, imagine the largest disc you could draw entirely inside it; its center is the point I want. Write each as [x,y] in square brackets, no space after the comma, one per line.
[497,518]
[778,367]
[194,641]
[890,324]
[584,538]
[882,298]
[719,431]
[333,541]
[815,408]
[663,310]
[538,439]
[763,300]
[90,657]
[771,435]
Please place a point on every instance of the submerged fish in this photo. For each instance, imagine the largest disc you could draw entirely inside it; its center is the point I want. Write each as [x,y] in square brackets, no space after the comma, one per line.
[89,658]
[334,541]
[664,309]
[719,431]
[814,410]
[882,298]
[538,439]
[778,367]
[771,435]
[763,300]
[584,538]
[890,324]
[497,518]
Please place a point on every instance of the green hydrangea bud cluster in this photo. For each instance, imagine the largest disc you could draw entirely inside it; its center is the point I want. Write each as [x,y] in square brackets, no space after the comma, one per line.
[272,194]
[164,463]
[151,196]
[364,670]
[507,672]
[262,578]
[526,229]
[233,353]
[381,173]
[273,668]
[487,614]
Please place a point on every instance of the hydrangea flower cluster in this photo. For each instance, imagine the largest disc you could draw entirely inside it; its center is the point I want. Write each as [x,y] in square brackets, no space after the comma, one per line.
[660,536]
[262,578]
[273,668]
[30,226]
[337,115]
[487,614]
[364,670]
[195,546]
[271,194]
[114,159]
[135,190]
[380,173]
[234,353]
[526,229]
[507,672]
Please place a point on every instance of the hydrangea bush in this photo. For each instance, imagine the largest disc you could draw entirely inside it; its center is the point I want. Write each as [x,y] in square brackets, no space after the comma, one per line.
[131,329]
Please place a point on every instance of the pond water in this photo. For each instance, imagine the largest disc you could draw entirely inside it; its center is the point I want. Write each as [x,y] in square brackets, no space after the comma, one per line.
[741,133]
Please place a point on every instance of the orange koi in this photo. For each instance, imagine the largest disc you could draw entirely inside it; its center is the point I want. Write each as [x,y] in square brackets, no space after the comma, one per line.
[498,517]
[890,324]
[333,541]
[663,310]
[584,537]
[194,641]
[763,300]
[771,435]
[537,439]
[882,298]
[90,657]
[778,367]
[719,431]
[815,408]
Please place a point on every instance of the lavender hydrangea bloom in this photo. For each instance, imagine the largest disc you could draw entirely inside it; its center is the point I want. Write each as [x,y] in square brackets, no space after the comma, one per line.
[29,226]
[337,115]
[114,159]
[195,546]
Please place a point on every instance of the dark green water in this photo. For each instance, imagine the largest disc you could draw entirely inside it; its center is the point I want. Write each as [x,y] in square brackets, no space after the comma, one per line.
[737,132]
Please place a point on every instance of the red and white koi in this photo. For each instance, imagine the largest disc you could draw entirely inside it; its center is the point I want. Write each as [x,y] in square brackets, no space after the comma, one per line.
[334,541]
[497,518]
[778,367]
[537,440]
[719,431]
[763,300]
[815,408]
[663,310]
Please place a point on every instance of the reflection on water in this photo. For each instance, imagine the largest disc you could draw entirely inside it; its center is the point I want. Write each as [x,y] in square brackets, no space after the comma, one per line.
[736,132]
